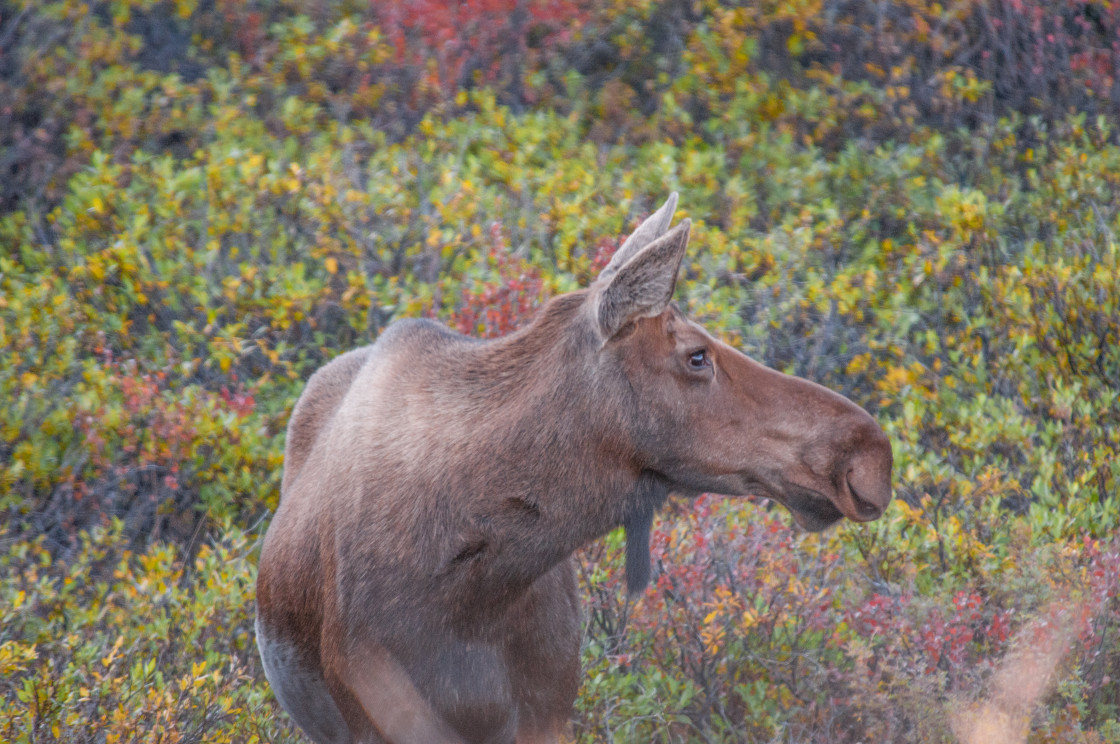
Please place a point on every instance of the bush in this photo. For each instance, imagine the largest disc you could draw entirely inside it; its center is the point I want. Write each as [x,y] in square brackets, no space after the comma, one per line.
[914,205]
[133,646]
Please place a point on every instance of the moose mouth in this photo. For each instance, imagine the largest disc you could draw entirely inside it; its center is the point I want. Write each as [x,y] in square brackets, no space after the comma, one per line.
[811,510]
[814,512]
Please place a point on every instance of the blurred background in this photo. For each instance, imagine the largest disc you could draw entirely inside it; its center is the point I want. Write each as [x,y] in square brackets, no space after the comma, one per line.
[913,203]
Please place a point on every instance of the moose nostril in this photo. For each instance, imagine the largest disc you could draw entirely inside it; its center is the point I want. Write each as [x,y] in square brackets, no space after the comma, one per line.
[864,507]
[869,472]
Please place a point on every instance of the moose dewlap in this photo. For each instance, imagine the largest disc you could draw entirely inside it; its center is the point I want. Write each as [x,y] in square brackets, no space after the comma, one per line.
[417,583]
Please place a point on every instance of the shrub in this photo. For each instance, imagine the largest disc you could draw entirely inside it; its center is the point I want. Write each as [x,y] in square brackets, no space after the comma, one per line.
[915,205]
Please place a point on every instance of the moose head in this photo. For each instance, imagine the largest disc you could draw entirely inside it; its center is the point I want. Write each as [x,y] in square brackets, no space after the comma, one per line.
[707,418]
[416,583]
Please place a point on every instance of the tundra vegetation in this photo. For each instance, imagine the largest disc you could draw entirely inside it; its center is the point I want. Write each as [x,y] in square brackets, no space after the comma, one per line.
[916,205]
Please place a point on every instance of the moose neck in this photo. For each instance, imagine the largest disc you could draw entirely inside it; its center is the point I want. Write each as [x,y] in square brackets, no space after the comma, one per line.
[560,467]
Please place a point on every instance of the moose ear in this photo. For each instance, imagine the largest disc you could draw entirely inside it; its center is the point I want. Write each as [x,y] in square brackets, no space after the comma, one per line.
[650,230]
[643,286]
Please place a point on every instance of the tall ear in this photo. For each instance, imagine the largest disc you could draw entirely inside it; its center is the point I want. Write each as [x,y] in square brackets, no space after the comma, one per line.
[643,286]
[650,230]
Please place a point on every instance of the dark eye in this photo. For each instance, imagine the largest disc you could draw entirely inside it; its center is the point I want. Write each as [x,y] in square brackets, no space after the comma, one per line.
[699,359]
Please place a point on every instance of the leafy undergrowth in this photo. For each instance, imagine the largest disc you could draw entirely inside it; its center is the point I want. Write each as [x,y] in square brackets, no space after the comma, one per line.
[755,633]
[115,646]
[915,205]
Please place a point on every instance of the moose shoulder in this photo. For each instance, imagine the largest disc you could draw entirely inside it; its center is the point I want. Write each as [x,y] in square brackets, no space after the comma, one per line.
[416,583]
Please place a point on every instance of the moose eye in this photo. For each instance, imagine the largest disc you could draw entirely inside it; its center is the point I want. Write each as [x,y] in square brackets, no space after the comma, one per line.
[699,359]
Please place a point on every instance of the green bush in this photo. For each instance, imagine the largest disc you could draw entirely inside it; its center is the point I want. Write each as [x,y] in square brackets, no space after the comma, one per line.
[132,646]
[204,202]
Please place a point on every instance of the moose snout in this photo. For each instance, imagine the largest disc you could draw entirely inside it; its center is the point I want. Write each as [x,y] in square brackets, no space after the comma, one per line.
[866,489]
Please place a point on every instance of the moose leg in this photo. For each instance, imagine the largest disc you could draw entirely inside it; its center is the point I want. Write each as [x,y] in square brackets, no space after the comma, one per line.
[380,700]
[301,690]
[542,650]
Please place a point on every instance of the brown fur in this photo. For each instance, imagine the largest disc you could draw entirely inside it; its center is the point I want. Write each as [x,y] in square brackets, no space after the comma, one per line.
[419,564]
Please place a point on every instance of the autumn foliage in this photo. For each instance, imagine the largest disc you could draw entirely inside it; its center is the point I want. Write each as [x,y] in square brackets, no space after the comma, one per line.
[914,203]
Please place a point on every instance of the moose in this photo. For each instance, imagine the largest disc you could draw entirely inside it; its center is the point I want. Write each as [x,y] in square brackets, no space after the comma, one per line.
[417,584]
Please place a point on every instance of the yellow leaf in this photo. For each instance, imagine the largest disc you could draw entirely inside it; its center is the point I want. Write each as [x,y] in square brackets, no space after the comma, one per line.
[332,265]
[112,655]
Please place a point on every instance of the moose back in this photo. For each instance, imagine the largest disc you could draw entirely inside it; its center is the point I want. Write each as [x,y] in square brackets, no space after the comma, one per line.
[416,583]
